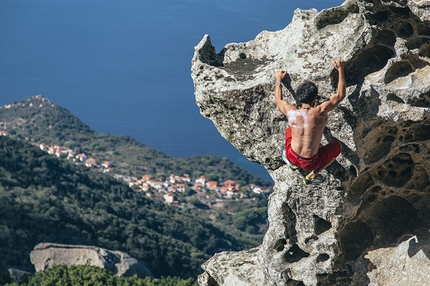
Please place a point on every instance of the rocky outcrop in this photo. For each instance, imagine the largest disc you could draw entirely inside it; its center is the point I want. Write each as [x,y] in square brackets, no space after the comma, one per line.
[369,223]
[47,255]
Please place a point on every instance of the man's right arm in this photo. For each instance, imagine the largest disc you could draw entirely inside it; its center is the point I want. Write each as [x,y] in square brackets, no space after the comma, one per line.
[283,105]
[336,98]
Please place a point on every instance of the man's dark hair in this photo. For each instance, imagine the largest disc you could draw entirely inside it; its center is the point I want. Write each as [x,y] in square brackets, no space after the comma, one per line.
[307,92]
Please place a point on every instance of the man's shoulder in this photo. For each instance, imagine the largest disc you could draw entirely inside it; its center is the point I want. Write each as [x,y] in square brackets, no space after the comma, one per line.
[323,108]
[291,107]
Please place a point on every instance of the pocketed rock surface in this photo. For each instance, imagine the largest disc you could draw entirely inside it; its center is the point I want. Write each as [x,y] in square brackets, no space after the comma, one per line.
[369,223]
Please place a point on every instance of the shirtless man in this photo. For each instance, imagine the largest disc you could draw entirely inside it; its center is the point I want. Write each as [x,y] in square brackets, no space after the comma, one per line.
[306,126]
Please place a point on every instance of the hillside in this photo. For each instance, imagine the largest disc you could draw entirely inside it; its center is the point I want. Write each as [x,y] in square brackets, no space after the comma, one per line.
[38,120]
[46,199]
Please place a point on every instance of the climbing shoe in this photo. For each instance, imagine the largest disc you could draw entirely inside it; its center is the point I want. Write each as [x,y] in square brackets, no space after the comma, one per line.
[284,157]
[319,179]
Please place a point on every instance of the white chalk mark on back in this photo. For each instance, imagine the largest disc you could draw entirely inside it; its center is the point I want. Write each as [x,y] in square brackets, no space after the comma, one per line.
[297,118]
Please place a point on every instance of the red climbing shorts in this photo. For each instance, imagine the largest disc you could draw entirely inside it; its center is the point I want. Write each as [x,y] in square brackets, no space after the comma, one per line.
[325,154]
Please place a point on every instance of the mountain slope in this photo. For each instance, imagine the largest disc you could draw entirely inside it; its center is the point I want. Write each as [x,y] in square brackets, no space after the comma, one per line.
[46,199]
[38,120]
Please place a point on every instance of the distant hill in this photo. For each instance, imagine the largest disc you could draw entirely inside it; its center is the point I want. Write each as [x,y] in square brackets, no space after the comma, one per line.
[38,120]
[46,199]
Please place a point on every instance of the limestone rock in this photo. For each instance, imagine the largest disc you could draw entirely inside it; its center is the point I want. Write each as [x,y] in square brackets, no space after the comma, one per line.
[47,255]
[18,275]
[233,268]
[376,197]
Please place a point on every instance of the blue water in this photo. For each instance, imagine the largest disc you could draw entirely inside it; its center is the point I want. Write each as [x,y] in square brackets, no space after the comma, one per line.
[123,67]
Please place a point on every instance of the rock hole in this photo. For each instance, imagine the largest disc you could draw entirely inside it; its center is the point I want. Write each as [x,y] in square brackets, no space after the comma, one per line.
[375,189]
[416,62]
[422,101]
[399,69]
[311,239]
[402,164]
[354,238]
[321,225]
[295,254]
[331,17]
[404,29]
[425,50]
[353,171]
[242,56]
[388,139]
[280,245]
[379,16]
[390,219]
[416,43]
[404,68]
[323,257]
[404,12]
[292,282]
[366,62]
[290,220]
[423,30]
[359,186]
[392,173]
[393,97]
[405,172]
[378,143]
[386,37]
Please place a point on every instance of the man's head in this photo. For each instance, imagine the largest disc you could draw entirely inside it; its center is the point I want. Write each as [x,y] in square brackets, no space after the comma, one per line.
[307,92]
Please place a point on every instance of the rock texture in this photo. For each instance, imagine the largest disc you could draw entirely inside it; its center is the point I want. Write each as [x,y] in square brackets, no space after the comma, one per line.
[47,255]
[369,223]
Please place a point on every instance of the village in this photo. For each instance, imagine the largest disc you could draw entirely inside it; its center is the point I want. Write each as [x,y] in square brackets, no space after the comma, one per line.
[170,187]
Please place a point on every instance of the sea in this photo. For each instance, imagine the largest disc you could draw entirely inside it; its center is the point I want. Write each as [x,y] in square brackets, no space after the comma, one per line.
[124,67]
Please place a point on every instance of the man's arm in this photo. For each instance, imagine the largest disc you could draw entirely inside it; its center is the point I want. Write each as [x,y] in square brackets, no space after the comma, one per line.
[282,104]
[336,98]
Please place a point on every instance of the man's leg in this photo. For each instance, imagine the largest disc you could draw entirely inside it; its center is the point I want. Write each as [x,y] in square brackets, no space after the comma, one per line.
[315,172]
[333,150]
[288,138]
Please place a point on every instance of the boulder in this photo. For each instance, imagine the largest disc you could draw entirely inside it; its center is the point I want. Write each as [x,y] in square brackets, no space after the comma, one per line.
[47,255]
[233,268]
[19,276]
[371,217]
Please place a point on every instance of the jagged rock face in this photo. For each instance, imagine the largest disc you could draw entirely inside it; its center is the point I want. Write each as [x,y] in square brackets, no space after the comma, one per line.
[47,255]
[371,218]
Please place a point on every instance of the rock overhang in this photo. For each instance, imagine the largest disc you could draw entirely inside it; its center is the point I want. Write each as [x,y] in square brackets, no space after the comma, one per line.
[383,125]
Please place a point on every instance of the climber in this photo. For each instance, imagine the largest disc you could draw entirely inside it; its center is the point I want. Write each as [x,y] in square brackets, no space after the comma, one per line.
[306,125]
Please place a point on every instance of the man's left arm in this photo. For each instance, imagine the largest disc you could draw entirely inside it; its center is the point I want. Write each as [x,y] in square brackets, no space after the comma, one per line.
[283,105]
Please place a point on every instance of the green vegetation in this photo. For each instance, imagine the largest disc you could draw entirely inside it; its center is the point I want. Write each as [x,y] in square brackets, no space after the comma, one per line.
[94,276]
[250,219]
[46,199]
[38,120]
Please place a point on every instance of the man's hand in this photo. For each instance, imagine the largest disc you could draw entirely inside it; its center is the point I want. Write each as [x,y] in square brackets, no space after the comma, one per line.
[336,98]
[339,64]
[280,75]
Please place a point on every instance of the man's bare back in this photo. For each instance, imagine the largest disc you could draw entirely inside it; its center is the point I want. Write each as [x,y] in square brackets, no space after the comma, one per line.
[307,126]
[307,123]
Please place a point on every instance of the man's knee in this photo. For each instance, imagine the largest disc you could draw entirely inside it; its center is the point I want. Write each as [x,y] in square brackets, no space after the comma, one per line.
[338,146]
[334,148]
